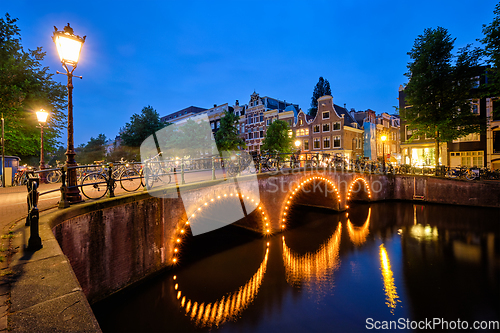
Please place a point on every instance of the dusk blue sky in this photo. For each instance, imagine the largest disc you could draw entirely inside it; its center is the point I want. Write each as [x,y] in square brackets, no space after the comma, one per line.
[174,54]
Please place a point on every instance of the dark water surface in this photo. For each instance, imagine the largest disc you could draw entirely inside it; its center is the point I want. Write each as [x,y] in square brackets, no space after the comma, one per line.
[387,261]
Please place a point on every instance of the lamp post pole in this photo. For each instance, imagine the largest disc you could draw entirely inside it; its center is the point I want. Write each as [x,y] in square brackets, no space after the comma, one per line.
[73,193]
[383,138]
[3,154]
[42,118]
[69,46]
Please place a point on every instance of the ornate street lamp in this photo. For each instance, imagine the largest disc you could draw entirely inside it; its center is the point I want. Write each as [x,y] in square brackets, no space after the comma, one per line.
[383,138]
[69,47]
[297,143]
[42,118]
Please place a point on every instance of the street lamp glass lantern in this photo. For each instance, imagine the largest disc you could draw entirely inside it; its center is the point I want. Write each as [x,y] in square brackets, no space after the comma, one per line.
[383,137]
[42,116]
[297,143]
[68,45]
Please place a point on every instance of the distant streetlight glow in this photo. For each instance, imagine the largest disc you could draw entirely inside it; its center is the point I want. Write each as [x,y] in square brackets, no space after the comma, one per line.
[297,143]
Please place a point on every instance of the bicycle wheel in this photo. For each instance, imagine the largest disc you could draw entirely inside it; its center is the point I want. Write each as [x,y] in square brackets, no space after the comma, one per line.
[94,186]
[53,177]
[470,175]
[130,180]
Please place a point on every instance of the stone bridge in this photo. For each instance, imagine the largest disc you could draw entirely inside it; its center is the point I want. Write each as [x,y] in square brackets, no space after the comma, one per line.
[119,241]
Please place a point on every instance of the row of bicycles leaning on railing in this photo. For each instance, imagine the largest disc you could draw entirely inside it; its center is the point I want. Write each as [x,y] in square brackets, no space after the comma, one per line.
[132,175]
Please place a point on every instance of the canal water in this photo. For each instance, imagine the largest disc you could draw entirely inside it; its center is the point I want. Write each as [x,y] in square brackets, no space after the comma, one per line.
[330,272]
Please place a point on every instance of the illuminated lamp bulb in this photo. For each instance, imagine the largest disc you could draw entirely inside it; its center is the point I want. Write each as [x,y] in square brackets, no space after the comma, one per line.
[218,197]
[262,213]
[176,286]
[199,208]
[230,194]
[286,207]
[178,240]
[176,250]
[252,200]
[182,231]
[267,230]
[282,225]
[283,220]
[225,195]
[192,215]
[174,260]
[260,207]
[206,203]
[175,277]
[248,197]
[288,202]
[267,243]
[267,224]
[187,223]
[265,218]
[284,213]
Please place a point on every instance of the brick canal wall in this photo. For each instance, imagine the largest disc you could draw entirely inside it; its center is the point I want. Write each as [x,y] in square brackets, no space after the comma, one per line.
[119,241]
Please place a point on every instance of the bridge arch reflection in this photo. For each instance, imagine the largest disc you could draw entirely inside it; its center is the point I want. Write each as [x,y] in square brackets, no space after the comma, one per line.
[229,307]
[309,266]
[358,234]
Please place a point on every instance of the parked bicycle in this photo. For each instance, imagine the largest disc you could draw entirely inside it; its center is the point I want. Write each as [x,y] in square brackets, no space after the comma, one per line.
[156,171]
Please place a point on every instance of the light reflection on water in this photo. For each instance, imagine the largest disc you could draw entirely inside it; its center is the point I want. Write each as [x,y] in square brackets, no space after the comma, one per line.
[384,261]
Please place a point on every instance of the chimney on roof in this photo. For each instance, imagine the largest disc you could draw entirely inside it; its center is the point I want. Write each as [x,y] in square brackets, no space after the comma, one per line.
[237,103]
[215,105]
[344,106]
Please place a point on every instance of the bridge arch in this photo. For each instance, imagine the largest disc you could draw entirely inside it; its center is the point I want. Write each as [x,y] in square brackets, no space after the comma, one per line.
[332,195]
[359,189]
[183,228]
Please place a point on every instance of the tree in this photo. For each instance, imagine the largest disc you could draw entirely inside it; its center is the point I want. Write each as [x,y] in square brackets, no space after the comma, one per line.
[94,150]
[26,87]
[491,50]
[278,138]
[322,88]
[439,90]
[227,137]
[140,127]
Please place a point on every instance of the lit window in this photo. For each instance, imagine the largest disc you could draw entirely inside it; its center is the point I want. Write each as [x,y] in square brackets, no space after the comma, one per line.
[336,141]
[316,129]
[326,115]
[326,142]
[316,143]
[336,126]
[326,127]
